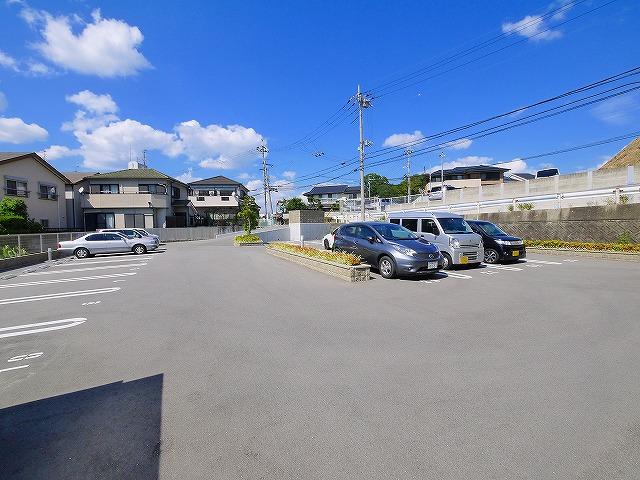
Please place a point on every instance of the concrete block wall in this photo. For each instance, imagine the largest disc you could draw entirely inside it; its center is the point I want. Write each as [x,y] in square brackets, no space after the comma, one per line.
[579,224]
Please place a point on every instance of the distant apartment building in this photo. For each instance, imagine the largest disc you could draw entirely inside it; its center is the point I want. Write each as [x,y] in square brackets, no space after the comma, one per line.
[28,176]
[329,196]
[217,199]
[136,197]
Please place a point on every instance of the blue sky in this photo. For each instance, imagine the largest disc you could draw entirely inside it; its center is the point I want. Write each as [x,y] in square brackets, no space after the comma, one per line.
[199,84]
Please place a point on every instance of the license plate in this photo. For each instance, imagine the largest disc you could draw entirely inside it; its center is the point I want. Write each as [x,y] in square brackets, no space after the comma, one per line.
[432,265]
[464,259]
[515,253]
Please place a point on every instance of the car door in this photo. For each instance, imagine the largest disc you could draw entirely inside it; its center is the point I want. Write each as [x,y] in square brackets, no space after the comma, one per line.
[115,243]
[94,242]
[346,239]
[429,229]
[365,248]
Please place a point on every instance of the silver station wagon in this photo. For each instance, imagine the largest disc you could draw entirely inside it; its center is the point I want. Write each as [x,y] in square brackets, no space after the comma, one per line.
[104,242]
[459,244]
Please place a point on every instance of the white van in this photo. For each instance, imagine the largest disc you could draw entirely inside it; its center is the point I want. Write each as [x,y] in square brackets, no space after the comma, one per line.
[459,244]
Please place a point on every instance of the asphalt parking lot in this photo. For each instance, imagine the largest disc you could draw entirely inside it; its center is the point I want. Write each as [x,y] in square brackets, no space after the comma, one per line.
[209,361]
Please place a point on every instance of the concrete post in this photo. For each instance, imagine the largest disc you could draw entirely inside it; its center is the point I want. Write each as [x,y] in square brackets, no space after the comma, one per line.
[19,245]
[616,194]
[41,246]
[49,253]
[302,240]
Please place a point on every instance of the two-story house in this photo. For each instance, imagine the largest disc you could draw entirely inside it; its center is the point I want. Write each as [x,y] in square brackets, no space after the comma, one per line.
[217,199]
[28,176]
[330,195]
[469,176]
[136,197]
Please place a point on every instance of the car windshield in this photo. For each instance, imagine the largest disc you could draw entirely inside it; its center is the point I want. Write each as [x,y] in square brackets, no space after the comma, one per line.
[391,231]
[491,229]
[455,225]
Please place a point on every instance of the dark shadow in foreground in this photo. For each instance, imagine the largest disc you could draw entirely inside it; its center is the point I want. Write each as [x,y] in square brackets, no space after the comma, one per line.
[107,432]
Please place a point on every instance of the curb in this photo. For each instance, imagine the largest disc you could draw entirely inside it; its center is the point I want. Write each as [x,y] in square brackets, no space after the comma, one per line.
[356,273]
[606,255]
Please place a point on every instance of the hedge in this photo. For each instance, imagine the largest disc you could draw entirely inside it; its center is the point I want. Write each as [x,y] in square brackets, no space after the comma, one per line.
[336,257]
[248,238]
[611,247]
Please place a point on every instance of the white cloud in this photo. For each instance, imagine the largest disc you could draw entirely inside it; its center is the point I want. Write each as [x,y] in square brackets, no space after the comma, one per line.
[516,166]
[56,152]
[187,176]
[93,103]
[244,176]
[105,47]
[218,147]
[7,61]
[402,138]
[15,130]
[536,27]
[38,69]
[461,144]
[618,110]
[289,175]
[3,102]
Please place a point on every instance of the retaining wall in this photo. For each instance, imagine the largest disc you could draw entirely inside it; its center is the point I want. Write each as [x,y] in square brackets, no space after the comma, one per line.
[578,224]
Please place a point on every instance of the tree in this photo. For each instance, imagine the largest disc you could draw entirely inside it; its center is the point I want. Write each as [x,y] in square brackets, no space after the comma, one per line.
[249,213]
[295,203]
[14,217]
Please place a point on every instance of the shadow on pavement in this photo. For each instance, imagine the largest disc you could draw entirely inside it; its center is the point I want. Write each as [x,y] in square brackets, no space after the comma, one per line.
[107,432]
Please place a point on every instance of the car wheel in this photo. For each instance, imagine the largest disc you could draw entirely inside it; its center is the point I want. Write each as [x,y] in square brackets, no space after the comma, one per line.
[447,263]
[387,267]
[81,252]
[491,256]
[326,244]
[139,249]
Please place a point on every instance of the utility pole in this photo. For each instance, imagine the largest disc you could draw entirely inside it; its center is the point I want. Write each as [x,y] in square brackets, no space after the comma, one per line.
[442,155]
[263,150]
[363,102]
[408,151]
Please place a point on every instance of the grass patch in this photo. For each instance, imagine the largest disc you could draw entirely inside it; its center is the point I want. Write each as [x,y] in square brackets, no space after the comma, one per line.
[248,238]
[608,247]
[337,257]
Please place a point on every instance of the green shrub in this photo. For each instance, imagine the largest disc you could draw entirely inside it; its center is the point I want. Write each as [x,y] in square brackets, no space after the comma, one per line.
[611,247]
[8,251]
[248,238]
[336,257]
[510,208]
[624,238]
[624,199]
[525,206]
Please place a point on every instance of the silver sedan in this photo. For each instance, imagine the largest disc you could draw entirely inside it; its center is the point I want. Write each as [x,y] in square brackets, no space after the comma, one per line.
[107,242]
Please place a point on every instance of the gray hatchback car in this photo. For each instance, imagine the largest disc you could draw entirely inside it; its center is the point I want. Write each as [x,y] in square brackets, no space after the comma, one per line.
[390,248]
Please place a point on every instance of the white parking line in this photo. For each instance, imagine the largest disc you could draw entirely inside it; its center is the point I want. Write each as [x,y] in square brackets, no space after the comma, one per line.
[570,260]
[430,281]
[106,267]
[488,273]
[504,267]
[116,260]
[43,327]
[91,303]
[13,368]
[54,296]
[543,262]
[65,280]
[458,275]
[26,356]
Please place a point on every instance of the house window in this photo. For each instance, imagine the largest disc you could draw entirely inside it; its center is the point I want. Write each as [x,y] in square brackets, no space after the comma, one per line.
[16,188]
[95,221]
[226,193]
[134,220]
[152,188]
[175,192]
[224,199]
[44,222]
[47,192]
[104,188]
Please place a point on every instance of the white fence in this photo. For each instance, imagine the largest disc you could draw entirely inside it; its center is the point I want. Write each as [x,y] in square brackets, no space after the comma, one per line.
[36,242]
[591,188]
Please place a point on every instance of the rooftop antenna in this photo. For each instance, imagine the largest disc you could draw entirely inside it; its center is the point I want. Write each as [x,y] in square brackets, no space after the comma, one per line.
[144,157]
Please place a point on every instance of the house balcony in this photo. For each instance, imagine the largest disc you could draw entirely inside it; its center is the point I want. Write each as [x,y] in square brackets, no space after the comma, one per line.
[125,200]
[204,201]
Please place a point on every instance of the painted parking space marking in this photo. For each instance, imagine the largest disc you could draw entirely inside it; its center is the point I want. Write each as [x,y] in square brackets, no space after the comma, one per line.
[543,262]
[533,266]
[504,267]
[26,356]
[91,303]
[118,281]
[570,260]
[32,328]
[489,273]
[13,368]
[430,281]
[459,275]
[66,280]
[115,260]
[86,269]
[54,296]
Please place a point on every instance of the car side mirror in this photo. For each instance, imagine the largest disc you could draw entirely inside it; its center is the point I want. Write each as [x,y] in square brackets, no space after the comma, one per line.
[371,239]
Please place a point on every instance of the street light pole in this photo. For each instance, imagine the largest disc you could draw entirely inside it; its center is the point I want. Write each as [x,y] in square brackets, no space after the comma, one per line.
[408,151]
[363,102]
